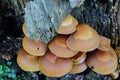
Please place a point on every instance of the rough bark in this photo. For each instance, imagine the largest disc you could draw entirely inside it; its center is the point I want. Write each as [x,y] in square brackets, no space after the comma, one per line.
[11,17]
[42,18]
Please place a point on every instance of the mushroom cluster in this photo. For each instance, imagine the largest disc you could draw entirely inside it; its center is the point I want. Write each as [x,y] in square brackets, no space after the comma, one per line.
[73,50]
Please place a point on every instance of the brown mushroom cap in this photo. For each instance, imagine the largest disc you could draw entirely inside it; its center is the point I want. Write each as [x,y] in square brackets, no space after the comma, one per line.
[68,25]
[27,62]
[24,28]
[53,66]
[84,39]
[79,58]
[104,43]
[59,48]
[36,48]
[102,62]
[78,68]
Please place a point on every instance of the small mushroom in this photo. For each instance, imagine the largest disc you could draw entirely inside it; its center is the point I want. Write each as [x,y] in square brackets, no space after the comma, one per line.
[84,39]
[79,58]
[79,68]
[24,28]
[58,47]
[68,25]
[36,48]
[102,62]
[53,66]
[104,43]
[27,62]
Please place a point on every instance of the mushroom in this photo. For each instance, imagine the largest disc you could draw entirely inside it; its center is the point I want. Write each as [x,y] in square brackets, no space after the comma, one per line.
[53,66]
[27,62]
[104,43]
[36,48]
[79,58]
[84,39]
[102,62]
[24,28]
[58,47]
[68,25]
[79,68]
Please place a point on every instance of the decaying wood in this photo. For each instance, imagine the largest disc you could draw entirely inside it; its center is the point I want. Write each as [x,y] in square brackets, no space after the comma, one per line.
[43,17]
[119,25]
[11,19]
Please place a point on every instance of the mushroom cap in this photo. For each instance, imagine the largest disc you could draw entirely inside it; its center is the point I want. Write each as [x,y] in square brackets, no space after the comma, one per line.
[84,39]
[53,66]
[27,62]
[102,62]
[58,47]
[68,25]
[79,58]
[24,28]
[36,48]
[78,68]
[104,43]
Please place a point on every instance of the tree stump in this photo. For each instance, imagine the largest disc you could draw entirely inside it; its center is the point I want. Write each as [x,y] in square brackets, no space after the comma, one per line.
[104,16]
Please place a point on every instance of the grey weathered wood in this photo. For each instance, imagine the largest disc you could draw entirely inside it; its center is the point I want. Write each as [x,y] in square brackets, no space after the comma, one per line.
[43,17]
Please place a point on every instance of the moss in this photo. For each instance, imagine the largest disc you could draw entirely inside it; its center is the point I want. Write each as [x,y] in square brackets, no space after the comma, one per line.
[6,71]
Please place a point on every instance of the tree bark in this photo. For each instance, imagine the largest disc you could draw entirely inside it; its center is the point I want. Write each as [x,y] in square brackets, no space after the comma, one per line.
[101,15]
[42,18]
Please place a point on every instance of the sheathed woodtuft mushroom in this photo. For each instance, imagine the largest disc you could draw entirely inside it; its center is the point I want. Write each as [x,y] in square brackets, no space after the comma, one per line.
[84,39]
[102,62]
[58,47]
[53,66]
[104,43]
[24,29]
[68,25]
[79,68]
[27,62]
[36,48]
[79,58]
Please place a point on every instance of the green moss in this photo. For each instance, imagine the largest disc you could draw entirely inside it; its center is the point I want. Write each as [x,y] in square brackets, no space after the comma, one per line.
[6,71]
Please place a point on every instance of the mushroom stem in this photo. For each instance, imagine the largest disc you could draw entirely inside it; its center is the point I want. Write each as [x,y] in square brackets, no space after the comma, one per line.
[114,74]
